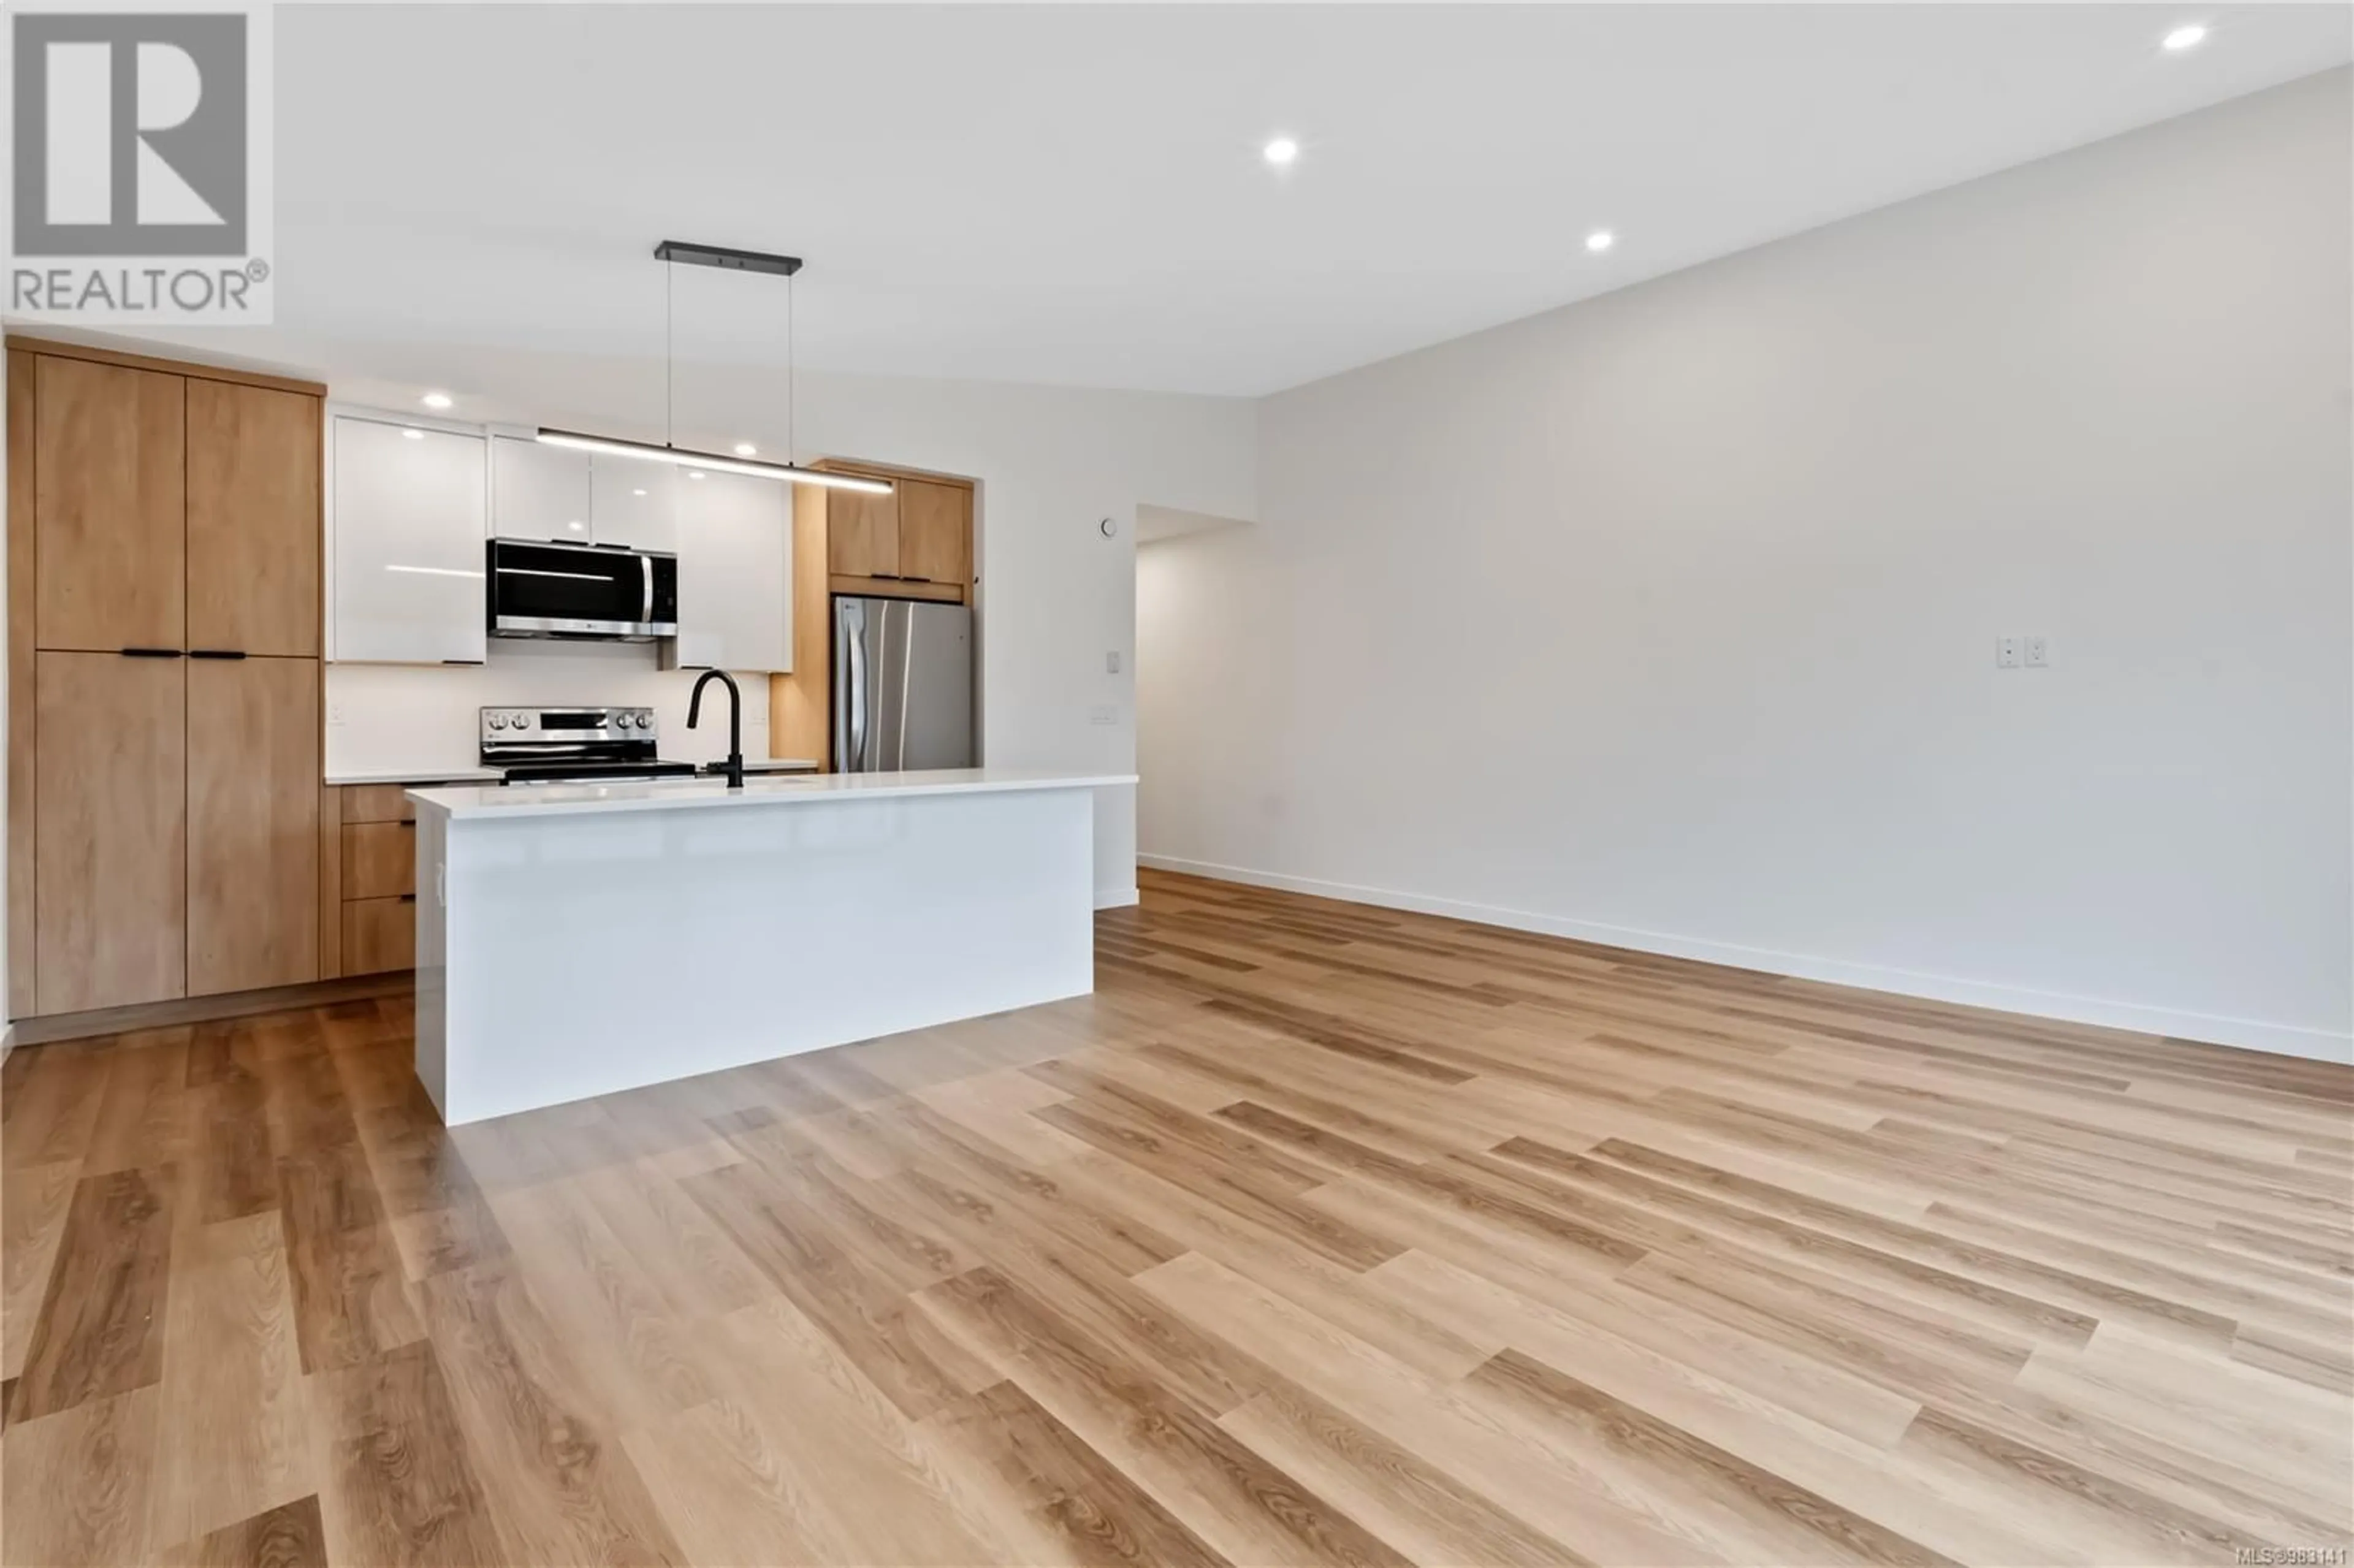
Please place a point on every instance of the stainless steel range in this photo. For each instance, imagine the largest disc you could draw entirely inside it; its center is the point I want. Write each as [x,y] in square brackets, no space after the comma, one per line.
[552,746]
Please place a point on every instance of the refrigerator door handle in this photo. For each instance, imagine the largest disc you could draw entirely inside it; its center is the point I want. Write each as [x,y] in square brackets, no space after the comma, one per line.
[858,693]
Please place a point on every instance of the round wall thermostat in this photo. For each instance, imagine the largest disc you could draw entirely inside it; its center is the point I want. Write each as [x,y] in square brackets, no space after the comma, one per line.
[1107,528]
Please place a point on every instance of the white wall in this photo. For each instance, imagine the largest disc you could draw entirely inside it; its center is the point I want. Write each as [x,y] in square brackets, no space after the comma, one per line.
[385,718]
[1669,618]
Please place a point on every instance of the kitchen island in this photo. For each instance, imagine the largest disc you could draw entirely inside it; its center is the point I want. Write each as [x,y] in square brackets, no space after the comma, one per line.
[578,939]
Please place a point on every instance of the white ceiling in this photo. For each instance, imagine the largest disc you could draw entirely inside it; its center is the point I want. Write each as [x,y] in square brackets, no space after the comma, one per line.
[1074,194]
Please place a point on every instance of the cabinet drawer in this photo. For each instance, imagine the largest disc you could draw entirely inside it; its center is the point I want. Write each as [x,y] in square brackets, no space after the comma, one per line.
[379,859]
[379,933]
[378,803]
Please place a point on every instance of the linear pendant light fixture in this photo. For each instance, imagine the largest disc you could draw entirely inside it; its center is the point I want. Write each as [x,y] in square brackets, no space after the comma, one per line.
[670,252]
[792,473]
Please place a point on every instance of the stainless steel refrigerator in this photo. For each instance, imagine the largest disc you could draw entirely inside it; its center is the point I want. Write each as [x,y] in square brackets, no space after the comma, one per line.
[902,685]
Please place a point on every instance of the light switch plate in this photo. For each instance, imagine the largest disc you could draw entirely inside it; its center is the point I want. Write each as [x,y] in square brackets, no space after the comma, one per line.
[1112,662]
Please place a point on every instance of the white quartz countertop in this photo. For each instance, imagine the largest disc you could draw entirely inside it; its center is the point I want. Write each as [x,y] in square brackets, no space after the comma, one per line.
[491,775]
[508,802]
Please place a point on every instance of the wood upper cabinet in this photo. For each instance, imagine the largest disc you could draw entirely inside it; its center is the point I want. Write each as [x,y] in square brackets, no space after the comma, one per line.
[920,532]
[109,508]
[863,534]
[253,519]
[935,532]
[110,925]
[253,823]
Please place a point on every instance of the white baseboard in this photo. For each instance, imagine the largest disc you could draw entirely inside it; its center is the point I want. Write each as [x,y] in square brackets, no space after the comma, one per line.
[2250,1034]
[1115,897]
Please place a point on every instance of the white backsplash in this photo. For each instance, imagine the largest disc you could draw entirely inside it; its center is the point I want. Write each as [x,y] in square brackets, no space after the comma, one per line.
[384,718]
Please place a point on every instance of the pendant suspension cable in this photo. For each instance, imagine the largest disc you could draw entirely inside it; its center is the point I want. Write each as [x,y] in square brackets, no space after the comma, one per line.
[670,252]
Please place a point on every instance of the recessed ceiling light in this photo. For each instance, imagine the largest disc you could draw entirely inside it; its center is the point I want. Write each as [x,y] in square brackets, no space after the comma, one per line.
[414,435]
[746,449]
[637,492]
[2185,38]
[1281,151]
[1601,239]
[694,474]
[435,399]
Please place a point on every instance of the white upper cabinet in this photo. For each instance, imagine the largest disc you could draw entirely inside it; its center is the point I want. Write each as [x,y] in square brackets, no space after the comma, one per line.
[635,502]
[538,492]
[735,573]
[406,524]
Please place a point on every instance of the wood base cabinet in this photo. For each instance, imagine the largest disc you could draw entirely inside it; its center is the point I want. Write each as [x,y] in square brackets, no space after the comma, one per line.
[163,550]
[374,877]
[111,872]
[253,823]
[379,933]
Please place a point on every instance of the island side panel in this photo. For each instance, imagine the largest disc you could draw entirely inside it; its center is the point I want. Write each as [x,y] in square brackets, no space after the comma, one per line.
[594,952]
[432,954]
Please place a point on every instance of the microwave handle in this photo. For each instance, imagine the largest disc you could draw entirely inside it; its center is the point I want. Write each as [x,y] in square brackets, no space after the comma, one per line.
[646,571]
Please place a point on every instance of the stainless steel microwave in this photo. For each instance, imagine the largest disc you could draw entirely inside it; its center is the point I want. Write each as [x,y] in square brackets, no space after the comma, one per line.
[538,589]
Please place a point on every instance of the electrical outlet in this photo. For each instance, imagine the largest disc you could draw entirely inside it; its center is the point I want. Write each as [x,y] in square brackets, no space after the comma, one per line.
[2039,652]
[2006,652]
[336,712]
[1112,662]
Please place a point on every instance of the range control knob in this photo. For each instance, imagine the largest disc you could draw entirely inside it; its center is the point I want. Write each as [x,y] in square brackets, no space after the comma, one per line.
[645,721]
[498,721]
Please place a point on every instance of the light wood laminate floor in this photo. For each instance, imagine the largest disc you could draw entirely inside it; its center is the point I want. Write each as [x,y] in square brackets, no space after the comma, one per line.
[1318,1234]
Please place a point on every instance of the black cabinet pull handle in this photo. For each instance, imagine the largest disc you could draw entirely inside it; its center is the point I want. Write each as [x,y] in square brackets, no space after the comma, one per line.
[150,653]
[215,653]
[407,822]
[409,899]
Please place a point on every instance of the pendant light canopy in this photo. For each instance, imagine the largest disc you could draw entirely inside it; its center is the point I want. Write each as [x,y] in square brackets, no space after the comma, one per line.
[670,252]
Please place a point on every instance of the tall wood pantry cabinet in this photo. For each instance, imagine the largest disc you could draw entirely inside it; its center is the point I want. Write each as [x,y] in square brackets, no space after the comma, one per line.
[163,565]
